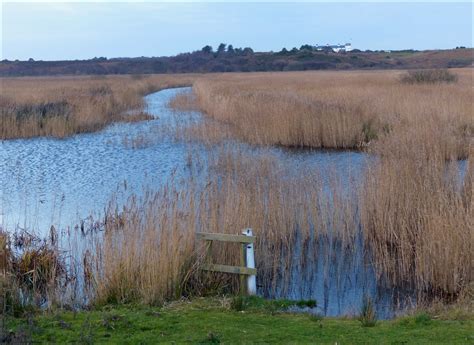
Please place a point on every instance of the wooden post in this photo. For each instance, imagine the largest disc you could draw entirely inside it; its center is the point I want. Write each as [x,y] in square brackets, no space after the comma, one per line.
[247,258]
[243,283]
[250,263]
[209,250]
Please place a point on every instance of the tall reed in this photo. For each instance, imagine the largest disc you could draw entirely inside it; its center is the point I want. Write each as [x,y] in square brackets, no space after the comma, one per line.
[339,109]
[149,252]
[63,106]
[418,220]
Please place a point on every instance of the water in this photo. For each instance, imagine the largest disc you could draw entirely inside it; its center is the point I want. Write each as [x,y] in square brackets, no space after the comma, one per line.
[61,182]
[47,181]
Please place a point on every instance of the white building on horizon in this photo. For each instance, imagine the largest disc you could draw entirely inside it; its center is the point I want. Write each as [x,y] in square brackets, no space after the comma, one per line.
[335,48]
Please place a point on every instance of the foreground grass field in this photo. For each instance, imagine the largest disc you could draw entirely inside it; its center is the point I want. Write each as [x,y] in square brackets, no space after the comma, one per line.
[213,321]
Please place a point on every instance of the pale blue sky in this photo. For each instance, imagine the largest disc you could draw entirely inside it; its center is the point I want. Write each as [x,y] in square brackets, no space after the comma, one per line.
[66,30]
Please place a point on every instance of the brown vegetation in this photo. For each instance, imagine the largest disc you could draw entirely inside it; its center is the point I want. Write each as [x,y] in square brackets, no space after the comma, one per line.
[416,214]
[342,110]
[149,253]
[64,106]
[429,76]
[418,219]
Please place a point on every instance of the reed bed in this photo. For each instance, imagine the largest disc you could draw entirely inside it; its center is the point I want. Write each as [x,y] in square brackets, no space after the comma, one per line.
[416,203]
[341,110]
[63,106]
[414,208]
[418,222]
[149,252]
[146,251]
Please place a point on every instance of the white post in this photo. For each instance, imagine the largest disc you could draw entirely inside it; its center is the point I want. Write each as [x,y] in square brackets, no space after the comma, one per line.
[251,279]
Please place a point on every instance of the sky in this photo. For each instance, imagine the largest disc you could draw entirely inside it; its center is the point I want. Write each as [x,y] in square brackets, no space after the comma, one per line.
[82,30]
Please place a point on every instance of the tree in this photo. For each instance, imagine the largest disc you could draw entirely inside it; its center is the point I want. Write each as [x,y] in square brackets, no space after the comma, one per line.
[207,49]
[306,46]
[248,51]
[221,48]
[230,49]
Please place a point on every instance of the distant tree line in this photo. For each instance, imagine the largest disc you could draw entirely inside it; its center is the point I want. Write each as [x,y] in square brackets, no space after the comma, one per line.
[227,58]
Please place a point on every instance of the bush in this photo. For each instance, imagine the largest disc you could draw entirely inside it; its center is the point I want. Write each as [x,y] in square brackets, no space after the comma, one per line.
[429,76]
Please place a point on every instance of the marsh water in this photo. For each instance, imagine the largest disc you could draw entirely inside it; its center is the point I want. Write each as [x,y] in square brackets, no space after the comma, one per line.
[45,181]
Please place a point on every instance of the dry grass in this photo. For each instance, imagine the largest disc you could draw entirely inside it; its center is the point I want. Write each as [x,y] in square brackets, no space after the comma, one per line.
[417,215]
[418,220]
[31,271]
[63,106]
[341,109]
[149,252]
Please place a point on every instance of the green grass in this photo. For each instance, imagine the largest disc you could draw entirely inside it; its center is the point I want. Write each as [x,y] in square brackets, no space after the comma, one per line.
[213,321]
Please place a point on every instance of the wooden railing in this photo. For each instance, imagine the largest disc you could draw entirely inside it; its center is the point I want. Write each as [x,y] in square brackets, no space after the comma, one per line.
[247,258]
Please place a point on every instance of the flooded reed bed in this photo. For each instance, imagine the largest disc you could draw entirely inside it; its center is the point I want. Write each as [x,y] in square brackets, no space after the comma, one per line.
[391,225]
[145,250]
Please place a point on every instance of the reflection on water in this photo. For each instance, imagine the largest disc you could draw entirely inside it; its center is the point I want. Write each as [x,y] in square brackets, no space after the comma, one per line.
[47,181]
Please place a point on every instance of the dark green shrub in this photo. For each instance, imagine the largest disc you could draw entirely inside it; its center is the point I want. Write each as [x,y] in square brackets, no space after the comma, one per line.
[429,76]
[422,319]
[311,303]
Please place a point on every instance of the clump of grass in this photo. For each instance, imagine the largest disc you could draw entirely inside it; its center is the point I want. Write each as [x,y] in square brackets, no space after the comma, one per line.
[111,321]
[367,316]
[237,303]
[37,268]
[316,317]
[240,303]
[31,274]
[429,76]
[422,319]
[212,338]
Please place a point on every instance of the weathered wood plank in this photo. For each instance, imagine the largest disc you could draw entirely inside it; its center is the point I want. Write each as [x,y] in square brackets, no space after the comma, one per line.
[225,237]
[230,269]
[243,280]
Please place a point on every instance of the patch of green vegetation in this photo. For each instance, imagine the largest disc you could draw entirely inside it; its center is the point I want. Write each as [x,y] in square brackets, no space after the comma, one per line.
[369,131]
[368,317]
[254,303]
[213,321]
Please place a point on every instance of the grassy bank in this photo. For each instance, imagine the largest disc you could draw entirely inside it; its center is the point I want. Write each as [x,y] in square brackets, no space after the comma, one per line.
[213,321]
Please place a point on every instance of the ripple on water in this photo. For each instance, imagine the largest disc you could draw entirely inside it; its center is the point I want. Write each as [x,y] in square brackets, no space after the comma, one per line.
[47,181]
